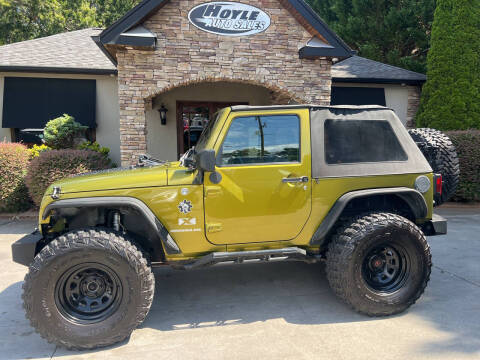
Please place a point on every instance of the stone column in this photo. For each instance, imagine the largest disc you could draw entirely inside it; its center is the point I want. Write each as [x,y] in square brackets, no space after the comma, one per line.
[414,93]
[131,95]
[133,130]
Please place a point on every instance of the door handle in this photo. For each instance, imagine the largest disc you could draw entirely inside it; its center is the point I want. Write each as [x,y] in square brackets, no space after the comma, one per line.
[303,179]
[213,191]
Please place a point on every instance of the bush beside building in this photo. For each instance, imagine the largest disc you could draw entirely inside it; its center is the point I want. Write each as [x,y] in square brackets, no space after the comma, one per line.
[14,160]
[55,165]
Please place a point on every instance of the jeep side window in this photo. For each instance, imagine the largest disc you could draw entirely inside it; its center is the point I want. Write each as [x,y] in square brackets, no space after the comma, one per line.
[261,140]
[361,141]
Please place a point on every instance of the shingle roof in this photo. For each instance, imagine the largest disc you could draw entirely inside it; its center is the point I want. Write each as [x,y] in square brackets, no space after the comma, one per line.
[73,51]
[77,52]
[359,69]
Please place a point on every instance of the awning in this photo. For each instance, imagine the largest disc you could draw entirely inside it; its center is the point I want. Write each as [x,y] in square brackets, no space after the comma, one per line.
[32,102]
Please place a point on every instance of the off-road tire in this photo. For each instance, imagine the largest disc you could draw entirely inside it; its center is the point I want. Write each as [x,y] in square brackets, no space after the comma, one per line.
[349,250]
[96,248]
[442,157]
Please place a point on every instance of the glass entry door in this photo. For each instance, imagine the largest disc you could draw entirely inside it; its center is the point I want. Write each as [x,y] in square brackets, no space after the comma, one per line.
[192,118]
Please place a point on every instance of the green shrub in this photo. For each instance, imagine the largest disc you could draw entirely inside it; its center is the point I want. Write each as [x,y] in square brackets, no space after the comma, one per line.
[468,148]
[451,95]
[14,159]
[95,146]
[60,133]
[55,165]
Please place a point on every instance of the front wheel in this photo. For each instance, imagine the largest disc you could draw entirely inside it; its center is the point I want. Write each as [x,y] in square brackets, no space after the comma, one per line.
[379,263]
[88,289]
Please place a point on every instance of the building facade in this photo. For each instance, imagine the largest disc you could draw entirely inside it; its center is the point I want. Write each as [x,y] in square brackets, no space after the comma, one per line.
[189,58]
[185,59]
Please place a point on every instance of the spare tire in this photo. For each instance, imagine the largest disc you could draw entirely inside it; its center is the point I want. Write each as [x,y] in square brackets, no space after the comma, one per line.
[441,154]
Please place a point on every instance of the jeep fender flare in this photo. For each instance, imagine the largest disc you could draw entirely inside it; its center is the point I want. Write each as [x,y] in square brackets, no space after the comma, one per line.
[414,199]
[169,244]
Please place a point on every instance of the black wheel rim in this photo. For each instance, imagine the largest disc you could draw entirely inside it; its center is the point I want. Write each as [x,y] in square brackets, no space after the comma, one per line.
[88,293]
[385,268]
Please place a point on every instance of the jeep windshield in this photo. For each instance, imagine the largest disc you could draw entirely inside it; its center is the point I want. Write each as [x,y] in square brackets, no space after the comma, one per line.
[187,159]
[202,142]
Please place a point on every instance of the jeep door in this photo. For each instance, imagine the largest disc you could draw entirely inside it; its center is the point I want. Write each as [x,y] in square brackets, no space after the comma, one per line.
[261,190]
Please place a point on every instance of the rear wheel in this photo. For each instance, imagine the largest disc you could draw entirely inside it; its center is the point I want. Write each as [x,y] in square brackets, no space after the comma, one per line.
[379,263]
[88,289]
[441,154]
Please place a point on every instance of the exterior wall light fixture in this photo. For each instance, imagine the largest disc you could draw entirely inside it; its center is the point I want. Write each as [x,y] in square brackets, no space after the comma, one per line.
[163,114]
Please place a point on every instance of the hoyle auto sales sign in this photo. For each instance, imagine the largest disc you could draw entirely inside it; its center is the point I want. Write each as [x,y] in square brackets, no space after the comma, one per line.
[229,18]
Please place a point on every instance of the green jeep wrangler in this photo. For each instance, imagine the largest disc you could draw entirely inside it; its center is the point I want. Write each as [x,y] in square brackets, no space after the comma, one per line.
[345,185]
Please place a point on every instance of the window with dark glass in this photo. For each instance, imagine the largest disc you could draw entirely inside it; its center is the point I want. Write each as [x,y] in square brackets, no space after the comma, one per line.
[357,96]
[361,141]
[262,139]
[29,103]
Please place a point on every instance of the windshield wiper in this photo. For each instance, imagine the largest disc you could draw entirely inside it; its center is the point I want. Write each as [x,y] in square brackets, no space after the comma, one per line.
[148,160]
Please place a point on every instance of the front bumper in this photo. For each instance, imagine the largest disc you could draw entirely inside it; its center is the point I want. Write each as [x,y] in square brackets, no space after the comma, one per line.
[436,226]
[24,250]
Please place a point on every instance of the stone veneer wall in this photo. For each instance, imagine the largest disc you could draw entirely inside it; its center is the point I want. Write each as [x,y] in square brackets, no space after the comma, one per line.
[414,93]
[186,55]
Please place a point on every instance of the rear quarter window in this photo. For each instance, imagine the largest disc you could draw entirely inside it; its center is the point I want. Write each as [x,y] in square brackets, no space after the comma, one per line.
[361,141]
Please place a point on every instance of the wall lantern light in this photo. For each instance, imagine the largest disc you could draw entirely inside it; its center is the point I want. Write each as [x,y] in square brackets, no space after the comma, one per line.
[163,114]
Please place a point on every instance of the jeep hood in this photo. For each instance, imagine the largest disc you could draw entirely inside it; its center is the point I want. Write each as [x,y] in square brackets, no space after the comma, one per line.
[111,179]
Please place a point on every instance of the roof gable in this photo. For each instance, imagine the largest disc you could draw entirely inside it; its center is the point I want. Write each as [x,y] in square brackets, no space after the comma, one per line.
[299,9]
[131,19]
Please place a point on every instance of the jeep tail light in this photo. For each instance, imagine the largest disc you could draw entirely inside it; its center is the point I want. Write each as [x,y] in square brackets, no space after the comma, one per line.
[438,184]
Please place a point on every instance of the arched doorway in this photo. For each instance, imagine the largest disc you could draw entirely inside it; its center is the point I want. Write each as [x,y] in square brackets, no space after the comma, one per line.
[192,105]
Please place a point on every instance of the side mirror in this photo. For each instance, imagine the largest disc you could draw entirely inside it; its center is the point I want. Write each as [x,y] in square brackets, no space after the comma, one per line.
[206,160]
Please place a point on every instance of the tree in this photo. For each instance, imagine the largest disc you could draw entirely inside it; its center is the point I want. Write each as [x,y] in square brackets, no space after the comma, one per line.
[78,14]
[29,19]
[396,32]
[109,11]
[451,96]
